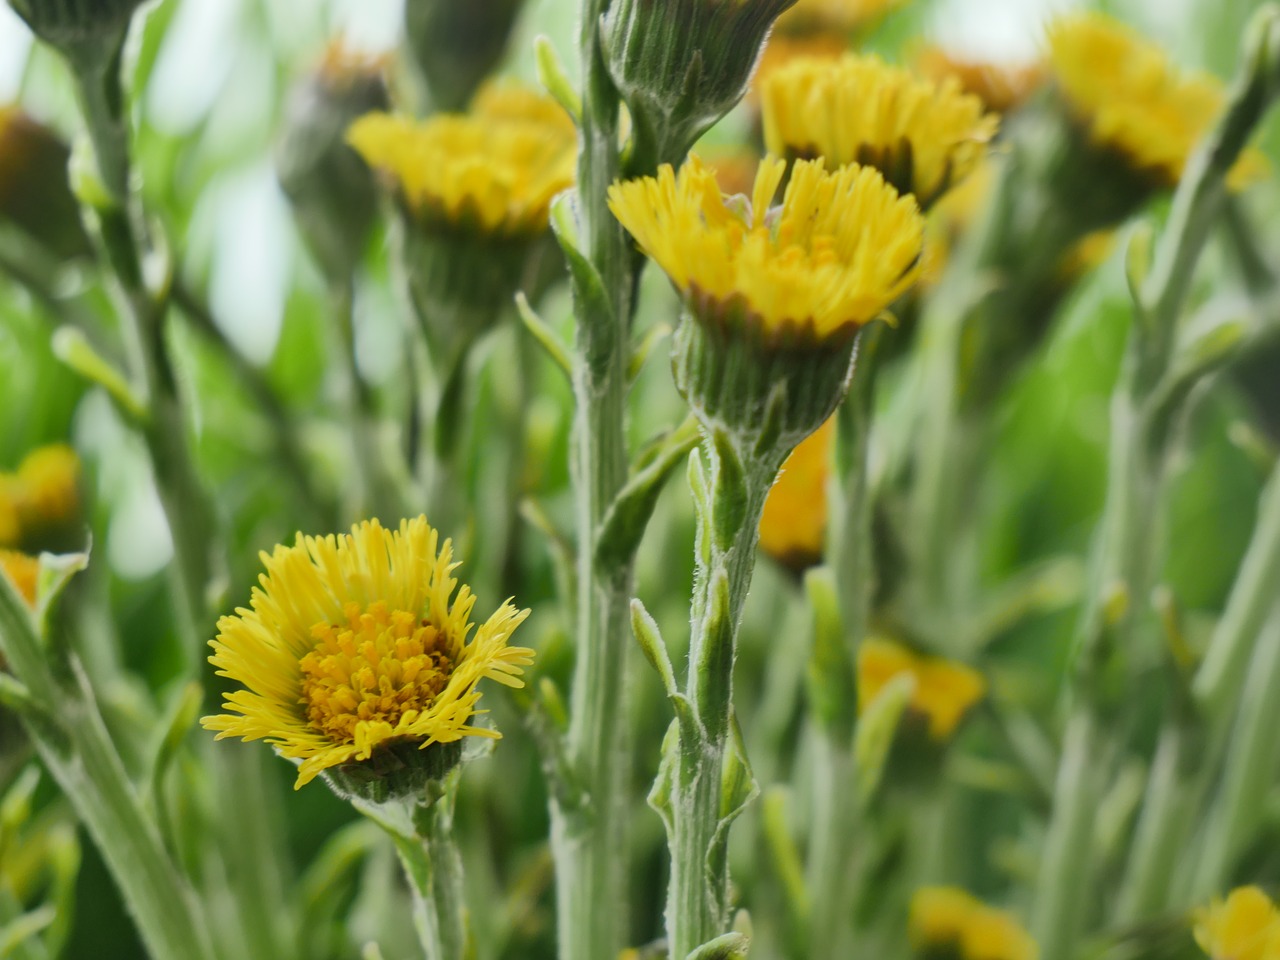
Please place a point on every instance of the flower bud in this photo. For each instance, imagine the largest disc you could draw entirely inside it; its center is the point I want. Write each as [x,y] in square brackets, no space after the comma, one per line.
[35,196]
[79,28]
[455,45]
[681,65]
[331,188]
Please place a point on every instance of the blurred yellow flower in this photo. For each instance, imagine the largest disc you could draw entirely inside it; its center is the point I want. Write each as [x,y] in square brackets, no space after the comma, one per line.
[23,571]
[1245,926]
[1131,99]
[793,526]
[944,691]
[357,643]
[950,919]
[835,16]
[783,48]
[49,487]
[10,524]
[841,247]
[922,136]
[493,170]
[1000,87]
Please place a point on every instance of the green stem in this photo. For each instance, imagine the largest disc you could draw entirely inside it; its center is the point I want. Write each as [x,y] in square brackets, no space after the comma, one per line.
[434,871]
[1221,676]
[1066,862]
[376,494]
[698,894]
[832,840]
[1168,814]
[590,838]
[1240,807]
[74,745]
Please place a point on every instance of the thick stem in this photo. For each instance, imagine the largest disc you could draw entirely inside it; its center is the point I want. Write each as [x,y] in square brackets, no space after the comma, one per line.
[1168,813]
[1240,807]
[1066,863]
[698,895]
[434,871]
[589,837]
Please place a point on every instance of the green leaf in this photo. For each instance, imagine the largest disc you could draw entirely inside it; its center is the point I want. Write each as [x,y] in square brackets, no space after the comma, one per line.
[554,79]
[664,783]
[73,348]
[832,691]
[546,338]
[654,647]
[731,946]
[627,517]
[729,488]
[876,730]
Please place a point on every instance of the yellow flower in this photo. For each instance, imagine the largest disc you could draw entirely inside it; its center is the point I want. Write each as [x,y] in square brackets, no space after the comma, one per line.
[923,136]
[1245,926]
[838,251]
[793,526]
[1001,87]
[944,691]
[23,571]
[1131,99]
[358,643]
[49,487]
[835,16]
[949,918]
[494,170]
[10,523]
[784,48]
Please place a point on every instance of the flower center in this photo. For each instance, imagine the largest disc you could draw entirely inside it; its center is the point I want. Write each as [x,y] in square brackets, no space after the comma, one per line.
[381,666]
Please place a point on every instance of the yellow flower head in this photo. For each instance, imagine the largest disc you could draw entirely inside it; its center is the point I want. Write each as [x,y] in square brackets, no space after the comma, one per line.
[841,248]
[23,571]
[923,136]
[49,487]
[1001,87]
[493,171]
[944,691]
[358,643]
[835,16]
[784,48]
[793,526]
[1245,926]
[1131,99]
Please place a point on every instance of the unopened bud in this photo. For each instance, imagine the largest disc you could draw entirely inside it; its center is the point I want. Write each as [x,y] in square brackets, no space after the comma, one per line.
[331,188]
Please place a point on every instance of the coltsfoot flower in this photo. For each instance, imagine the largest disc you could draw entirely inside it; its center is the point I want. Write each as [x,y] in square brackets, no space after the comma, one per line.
[493,170]
[793,527]
[474,194]
[1130,99]
[774,296]
[329,186]
[1244,926]
[355,647]
[835,16]
[922,136]
[950,922]
[944,691]
[1001,87]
